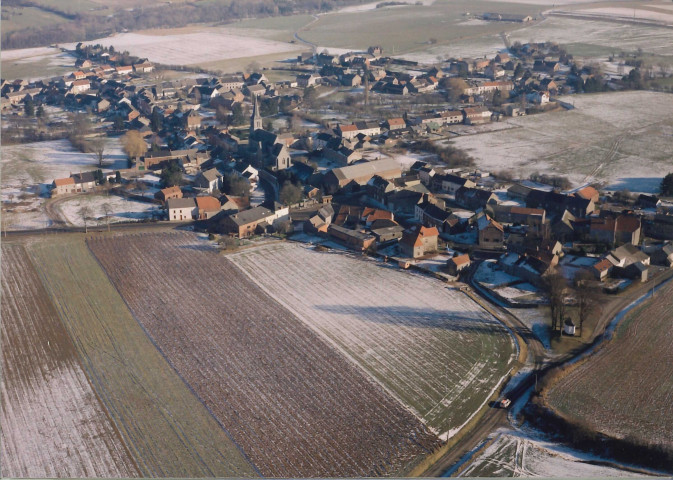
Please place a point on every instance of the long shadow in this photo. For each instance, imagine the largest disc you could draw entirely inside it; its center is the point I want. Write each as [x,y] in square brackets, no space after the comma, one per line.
[418,318]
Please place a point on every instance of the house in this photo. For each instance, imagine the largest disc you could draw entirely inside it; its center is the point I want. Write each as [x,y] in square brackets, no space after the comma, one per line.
[361,173]
[588,193]
[615,230]
[192,120]
[79,86]
[124,70]
[210,179]
[207,207]
[458,263]
[247,222]
[351,238]
[626,255]
[451,183]
[305,80]
[476,115]
[319,222]
[491,233]
[181,209]
[144,67]
[166,194]
[430,215]
[533,218]
[419,241]
[475,198]
[661,254]
[602,269]
[395,123]
[61,186]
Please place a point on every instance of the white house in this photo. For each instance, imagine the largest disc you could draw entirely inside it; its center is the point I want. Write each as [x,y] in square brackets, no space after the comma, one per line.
[181,209]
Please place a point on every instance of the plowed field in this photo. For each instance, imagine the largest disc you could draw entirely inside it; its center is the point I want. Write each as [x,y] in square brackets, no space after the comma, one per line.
[295,405]
[168,431]
[53,425]
[626,389]
[433,347]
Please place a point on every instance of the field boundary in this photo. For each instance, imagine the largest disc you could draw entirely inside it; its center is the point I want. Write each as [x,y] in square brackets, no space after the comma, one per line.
[163,355]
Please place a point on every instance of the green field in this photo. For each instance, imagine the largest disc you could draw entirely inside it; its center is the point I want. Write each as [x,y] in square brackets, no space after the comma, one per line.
[167,430]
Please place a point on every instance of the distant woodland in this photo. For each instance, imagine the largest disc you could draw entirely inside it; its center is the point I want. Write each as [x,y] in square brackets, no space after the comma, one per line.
[88,26]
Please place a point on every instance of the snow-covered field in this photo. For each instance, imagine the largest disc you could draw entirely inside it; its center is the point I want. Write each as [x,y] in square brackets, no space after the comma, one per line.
[628,13]
[122,210]
[608,35]
[622,139]
[432,347]
[29,169]
[208,44]
[513,454]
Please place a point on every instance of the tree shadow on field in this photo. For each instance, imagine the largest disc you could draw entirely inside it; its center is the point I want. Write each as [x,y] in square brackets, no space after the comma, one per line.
[418,318]
[200,248]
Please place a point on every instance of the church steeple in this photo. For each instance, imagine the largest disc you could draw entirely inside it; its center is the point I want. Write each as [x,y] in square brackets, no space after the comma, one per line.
[256,118]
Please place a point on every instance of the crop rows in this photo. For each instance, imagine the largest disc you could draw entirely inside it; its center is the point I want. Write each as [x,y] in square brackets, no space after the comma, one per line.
[52,423]
[626,389]
[433,347]
[296,406]
[166,428]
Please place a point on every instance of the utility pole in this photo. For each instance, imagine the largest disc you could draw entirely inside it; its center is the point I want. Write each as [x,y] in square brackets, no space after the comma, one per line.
[366,89]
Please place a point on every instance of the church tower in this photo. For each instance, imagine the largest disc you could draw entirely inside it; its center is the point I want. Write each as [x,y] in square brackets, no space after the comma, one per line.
[256,118]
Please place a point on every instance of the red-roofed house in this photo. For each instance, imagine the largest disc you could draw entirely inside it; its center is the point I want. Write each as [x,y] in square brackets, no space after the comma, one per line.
[601,270]
[588,193]
[419,241]
[207,207]
[63,185]
[456,264]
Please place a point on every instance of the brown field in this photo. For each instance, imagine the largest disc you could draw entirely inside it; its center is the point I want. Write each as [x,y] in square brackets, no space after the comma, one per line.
[626,389]
[167,430]
[53,425]
[295,405]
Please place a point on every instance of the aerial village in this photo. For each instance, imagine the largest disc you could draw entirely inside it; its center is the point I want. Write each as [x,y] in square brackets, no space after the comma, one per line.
[209,153]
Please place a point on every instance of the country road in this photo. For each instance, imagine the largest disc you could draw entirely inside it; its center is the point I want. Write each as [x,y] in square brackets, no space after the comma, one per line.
[538,359]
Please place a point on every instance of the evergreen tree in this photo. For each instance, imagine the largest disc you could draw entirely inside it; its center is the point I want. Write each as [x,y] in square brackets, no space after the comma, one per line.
[667,185]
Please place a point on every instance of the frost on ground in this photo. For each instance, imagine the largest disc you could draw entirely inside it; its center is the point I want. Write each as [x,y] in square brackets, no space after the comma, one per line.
[601,34]
[434,348]
[293,404]
[622,139]
[52,422]
[121,209]
[512,454]
[188,48]
[29,169]
[626,388]
[627,13]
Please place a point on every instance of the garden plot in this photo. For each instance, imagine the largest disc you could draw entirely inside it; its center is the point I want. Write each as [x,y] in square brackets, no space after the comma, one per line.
[121,209]
[620,139]
[295,406]
[433,347]
[627,387]
[194,45]
[53,425]
[166,428]
[512,454]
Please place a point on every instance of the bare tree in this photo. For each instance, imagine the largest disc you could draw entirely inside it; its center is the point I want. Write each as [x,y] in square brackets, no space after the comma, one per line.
[85,213]
[140,186]
[587,298]
[554,285]
[97,147]
[107,209]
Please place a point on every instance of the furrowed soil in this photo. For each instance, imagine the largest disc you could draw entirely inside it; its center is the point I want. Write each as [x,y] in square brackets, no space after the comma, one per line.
[433,347]
[167,430]
[626,389]
[53,425]
[297,407]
